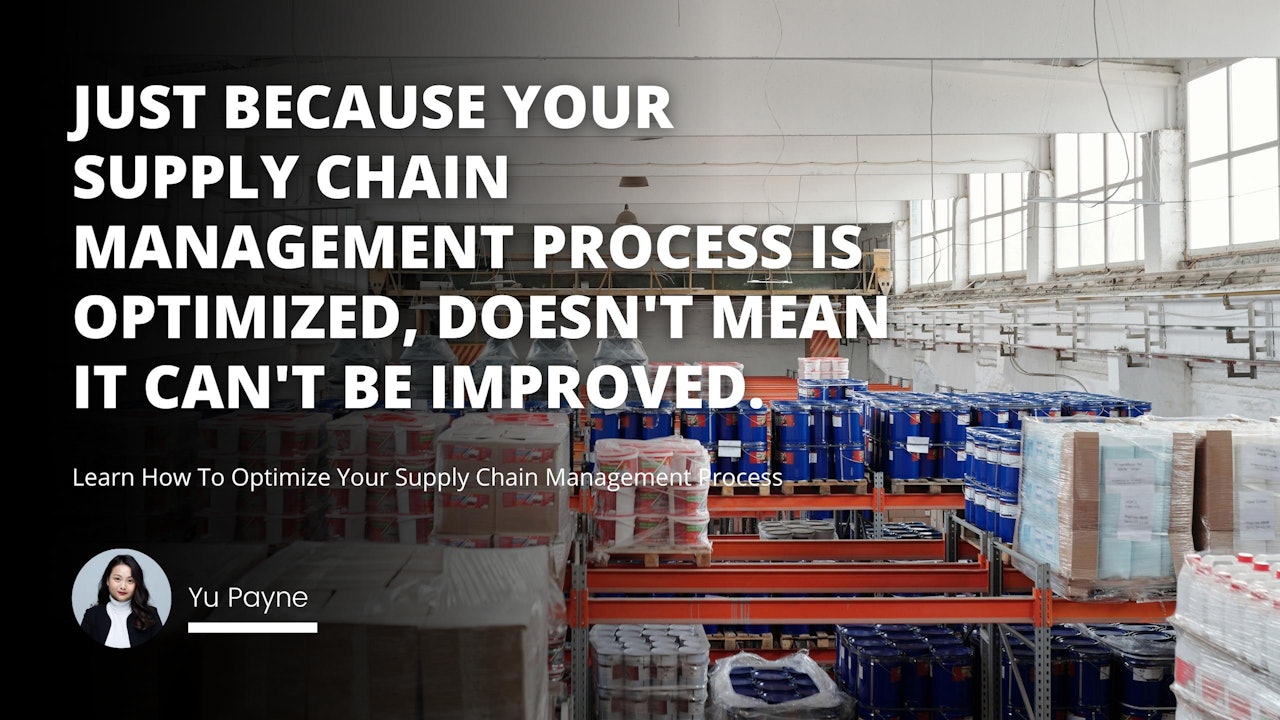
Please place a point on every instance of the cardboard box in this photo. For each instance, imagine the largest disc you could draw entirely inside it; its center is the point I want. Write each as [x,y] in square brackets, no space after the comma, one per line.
[416,632]
[465,513]
[1228,496]
[1118,502]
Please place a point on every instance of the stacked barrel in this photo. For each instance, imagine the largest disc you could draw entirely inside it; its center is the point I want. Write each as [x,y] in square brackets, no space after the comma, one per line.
[821,436]
[907,671]
[921,436]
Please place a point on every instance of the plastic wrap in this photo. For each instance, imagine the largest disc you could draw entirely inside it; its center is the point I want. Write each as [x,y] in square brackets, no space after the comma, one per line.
[624,353]
[620,351]
[822,368]
[739,690]
[651,494]
[797,530]
[502,481]
[1237,493]
[1211,683]
[354,351]
[544,353]
[427,352]
[1234,600]
[421,632]
[1106,504]
[645,671]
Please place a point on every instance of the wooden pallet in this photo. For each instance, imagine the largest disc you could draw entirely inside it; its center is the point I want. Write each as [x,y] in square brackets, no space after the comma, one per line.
[824,487]
[655,556]
[926,487]
[732,641]
[819,640]
[741,489]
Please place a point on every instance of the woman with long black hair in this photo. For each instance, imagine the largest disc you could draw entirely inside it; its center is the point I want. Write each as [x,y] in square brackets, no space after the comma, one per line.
[123,616]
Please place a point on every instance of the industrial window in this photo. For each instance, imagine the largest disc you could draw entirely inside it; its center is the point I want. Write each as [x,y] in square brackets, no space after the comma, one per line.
[1233,163]
[1098,179]
[998,223]
[932,236]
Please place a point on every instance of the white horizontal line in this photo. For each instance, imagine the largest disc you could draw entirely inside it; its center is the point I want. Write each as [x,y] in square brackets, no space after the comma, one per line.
[253,628]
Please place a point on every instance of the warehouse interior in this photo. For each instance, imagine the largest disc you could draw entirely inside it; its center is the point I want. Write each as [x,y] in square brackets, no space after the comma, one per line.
[1063,199]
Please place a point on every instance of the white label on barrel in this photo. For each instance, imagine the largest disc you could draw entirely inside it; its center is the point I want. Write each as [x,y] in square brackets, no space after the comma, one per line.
[836,421]
[1260,462]
[1129,473]
[962,456]
[1148,674]
[1135,515]
[810,419]
[730,448]
[917,444]
[962,419]
[1104,672]
[1002,417]
[1257,515]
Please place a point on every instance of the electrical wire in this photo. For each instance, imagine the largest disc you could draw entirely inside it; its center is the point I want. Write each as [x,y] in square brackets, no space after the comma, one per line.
[1014,361]
[1097,66]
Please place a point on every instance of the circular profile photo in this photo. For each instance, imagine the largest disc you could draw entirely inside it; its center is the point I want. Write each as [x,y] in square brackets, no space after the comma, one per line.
[121,598]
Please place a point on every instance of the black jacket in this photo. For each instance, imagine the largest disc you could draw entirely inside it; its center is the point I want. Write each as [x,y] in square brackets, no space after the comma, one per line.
[97,623]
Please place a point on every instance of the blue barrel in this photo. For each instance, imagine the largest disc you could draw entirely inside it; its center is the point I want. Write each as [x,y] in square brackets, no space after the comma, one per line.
[1138,408]
[657,422]
[1008,516]
[852,386]
[915,674]
[879,682]
[754,463]
[726,467]
[1010,468]
[727,424]
[794,462]
[1088,673]
[753,423]
[699,424]
[903,422]
[901,636]
[849,463]
[951,464]
[819,423]
[846,423]
[819,462]
[988,462]
[951,678]
[903,464]
[810,389]
[970,456]
[980,509]
[929,462]
[1023,665]
[792,423]
[941,641]
[630,423]
[953,423]
[1132,628]
[1145,680]
[928,632]
[605,425]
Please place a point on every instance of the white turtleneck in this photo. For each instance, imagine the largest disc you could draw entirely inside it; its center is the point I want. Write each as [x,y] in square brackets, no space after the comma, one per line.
[118,611]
